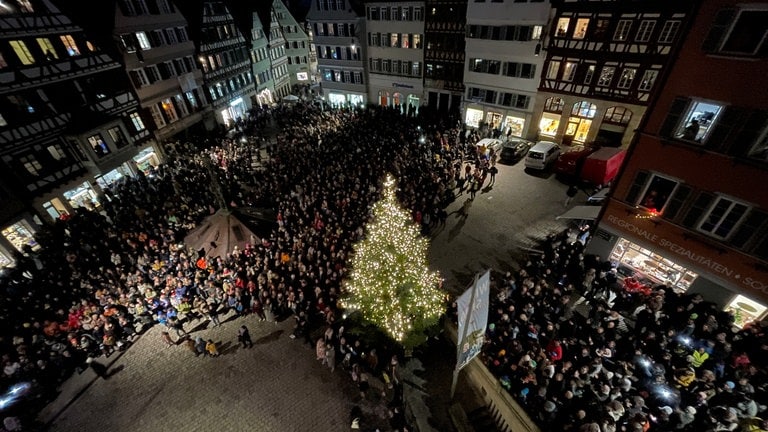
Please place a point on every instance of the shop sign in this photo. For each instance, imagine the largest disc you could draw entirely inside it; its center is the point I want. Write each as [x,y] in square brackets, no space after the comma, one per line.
[398,85]
[737,273]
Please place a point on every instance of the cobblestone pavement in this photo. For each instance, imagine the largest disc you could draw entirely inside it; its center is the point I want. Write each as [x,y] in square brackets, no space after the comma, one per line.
[278,385]
[275,386]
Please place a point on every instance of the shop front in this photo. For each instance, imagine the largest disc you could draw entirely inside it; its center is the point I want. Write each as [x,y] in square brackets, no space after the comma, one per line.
[82,196]
[648,248]
[20,235]
[265,97]
[55,208]
[342,99]
[6,259]
[108,179]
[511,123]
[146,159]
[473,117]
[237,109]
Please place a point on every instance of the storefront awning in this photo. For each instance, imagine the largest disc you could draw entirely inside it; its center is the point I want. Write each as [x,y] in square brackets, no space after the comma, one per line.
[581,212]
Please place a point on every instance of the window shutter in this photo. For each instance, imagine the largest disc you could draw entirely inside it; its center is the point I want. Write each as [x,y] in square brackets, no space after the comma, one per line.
[747,230]
[724,126]
[676,202]
[720,26]
[756,123]
[697,210]
[677,109]
[637,186]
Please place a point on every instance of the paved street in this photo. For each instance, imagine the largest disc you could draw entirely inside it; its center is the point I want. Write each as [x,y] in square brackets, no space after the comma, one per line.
[278,385]
[275,386]
[519,210]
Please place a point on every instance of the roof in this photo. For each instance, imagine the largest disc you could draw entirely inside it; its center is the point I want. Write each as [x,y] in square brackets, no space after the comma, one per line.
[581,212]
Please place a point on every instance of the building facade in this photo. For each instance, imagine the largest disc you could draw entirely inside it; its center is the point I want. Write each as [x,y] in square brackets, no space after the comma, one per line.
[225,59]
[159,57]
[261,64]
[338,27]
[296,49]
[395,54]
[689,209]
[70,123]
[444,32]
[277,56]
[603,59]
[503,65]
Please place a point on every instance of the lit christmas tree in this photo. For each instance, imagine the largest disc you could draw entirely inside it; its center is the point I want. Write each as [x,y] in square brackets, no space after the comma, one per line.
[390,283]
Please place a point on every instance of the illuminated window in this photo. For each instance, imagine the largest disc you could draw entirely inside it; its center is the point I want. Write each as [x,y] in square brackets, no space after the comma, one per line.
[141,37]
[626,78]
[47,48]
[580,32]
[137,122]
[589,74]
[553,69]
[606,76]
[569,71]
[157,116]
[657,193]
[22,52]
[404,38]
[562,27]
[416,41]
[69,43]
[25,6]
[584,109]
[98,145]
[617,115]
[554,105]
[394,40]
[699,121]
[745,310]
[649,78]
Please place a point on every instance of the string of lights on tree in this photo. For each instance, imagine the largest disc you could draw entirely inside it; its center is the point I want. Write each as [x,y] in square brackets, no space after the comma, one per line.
[390,282]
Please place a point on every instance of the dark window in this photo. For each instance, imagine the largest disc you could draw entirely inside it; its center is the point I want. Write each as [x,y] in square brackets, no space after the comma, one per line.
[738,32]
[676,202]
[749,228]
[637,186]
[698,208]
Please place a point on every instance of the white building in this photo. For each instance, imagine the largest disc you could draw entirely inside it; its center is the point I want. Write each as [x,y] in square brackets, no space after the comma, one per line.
[337,29]
[503,64]
[395,54]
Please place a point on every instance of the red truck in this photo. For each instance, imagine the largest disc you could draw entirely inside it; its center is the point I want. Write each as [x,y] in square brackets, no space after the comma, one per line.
[602,166]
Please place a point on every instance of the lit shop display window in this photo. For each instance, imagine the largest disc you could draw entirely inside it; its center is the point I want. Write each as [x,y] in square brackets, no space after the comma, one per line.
[20,235]
[652,266]
[745,310]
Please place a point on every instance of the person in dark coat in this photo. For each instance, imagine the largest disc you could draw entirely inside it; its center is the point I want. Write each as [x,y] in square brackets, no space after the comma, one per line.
[244,337]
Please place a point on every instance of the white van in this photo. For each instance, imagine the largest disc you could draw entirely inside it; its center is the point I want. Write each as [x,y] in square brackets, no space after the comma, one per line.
[541,155]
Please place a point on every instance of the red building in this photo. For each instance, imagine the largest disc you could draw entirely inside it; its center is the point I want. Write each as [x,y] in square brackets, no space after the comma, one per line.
[690,207]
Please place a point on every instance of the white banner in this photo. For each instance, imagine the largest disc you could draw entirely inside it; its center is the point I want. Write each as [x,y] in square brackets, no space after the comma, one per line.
[473,319]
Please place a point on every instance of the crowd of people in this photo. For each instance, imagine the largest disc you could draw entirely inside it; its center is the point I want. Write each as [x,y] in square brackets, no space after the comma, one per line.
[659,361]
[664,361]
[105,274]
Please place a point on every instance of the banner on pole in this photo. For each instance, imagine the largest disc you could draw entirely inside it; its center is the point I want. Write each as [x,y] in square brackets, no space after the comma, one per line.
[473,314]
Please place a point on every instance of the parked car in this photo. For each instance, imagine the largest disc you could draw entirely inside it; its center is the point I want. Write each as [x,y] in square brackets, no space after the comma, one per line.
[514,150]
[541,155]
[570,163]
[485,145]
